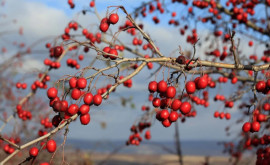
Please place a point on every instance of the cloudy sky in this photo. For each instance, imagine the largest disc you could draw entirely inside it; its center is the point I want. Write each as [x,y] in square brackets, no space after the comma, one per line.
[48,18]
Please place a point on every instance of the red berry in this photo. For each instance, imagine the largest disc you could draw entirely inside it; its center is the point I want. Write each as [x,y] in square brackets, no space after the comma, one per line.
[88,98]
[261,118]
[260,86]
[92,4]
[114,52]
[152,86]
[64,106]
[170,92]
[175,104]
[104,26]
[255,126]
[24,86]
[246,127]
[185,108]
[75,94]
[51,146]
[33,151]
[84,109]
[234,80]
[156,102]
[106,50]
[81,83]
[216,114]
[221,115]
[228,116]
[202,83]
[162,86]
[85,119]
[58,50]
[166,123]
[73,109]
[266,106]
[97,99]
[173,116]
[113,19]
[44,163]
[190,87]
[164,114]
[52,93]
[56,120]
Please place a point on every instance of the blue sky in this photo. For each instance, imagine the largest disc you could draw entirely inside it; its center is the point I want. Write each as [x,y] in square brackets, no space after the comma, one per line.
[42,18]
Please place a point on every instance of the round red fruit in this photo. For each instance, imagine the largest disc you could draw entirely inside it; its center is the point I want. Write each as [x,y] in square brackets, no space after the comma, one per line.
[156,102]
[185,108]
[73,82]
[88,98]
[97,99]
[260,86]
[190,87]
[85,119]
[114,52]
[152,86]
[104,27]
[202,83]
[52,93]
[75,94]
[162,86]
[73,109]
[246,127]
[255,126]
[173,116]
[106,50]
[171,91]
[84,109]
[164,114]
[113,19]
[51,146]
[166,123]
[81,83]
[175,104]
[33,151]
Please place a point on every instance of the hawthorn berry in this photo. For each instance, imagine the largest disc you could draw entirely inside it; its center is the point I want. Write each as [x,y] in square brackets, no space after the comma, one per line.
[162,86]
[166,123]
[156,102]
[255,126]
[164,114]
[73,109]
[202,83]
[84,109]
[85,119]
[97,99]
[190,87]
[260,86]
[246,127]
[33,151]
[106,50]
[88,98]
[51,146]
[104,25]
[52,93]
[173,116]
[170,92]
[175,104]
[58,50]
[81,83]
[113,18]
[185,108]
[75,94]
[114,52]
[152,86]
